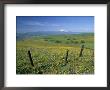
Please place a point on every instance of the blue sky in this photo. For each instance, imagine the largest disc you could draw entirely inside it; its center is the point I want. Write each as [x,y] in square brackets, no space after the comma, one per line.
[55,23]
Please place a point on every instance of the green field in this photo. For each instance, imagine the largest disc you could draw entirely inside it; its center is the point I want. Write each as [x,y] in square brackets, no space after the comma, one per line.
[49,54]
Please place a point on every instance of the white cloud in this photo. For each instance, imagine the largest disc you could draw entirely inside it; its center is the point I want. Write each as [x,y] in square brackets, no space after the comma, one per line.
[62,30]
[41,24]
[55,25]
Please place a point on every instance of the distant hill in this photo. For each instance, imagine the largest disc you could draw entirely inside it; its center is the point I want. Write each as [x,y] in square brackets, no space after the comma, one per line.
[20,36]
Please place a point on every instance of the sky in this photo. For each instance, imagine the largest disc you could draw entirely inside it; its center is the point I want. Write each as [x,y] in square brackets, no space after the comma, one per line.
[54,23]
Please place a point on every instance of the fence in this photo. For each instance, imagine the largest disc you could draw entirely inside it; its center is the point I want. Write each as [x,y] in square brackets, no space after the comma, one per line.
[66,56]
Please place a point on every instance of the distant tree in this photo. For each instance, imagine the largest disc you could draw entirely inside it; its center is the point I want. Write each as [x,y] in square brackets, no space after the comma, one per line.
[76,42]
[68,38]
[74,38]
[57,41]
[45,39]
[82,41]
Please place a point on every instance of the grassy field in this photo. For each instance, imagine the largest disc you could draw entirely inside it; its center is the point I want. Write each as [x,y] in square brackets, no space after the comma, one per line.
[56,54]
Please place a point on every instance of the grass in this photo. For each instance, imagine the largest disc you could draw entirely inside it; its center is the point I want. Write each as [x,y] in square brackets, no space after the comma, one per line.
[49,53]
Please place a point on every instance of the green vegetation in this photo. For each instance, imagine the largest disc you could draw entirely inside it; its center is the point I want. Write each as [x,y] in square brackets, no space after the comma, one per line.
[49,54]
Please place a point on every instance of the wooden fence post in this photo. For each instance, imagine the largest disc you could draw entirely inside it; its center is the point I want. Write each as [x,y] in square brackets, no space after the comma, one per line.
[93,53]
[29,53]
[66,58]
[82,48]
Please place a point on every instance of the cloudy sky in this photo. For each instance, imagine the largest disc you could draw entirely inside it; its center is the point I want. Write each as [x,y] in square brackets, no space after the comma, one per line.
[55,23]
